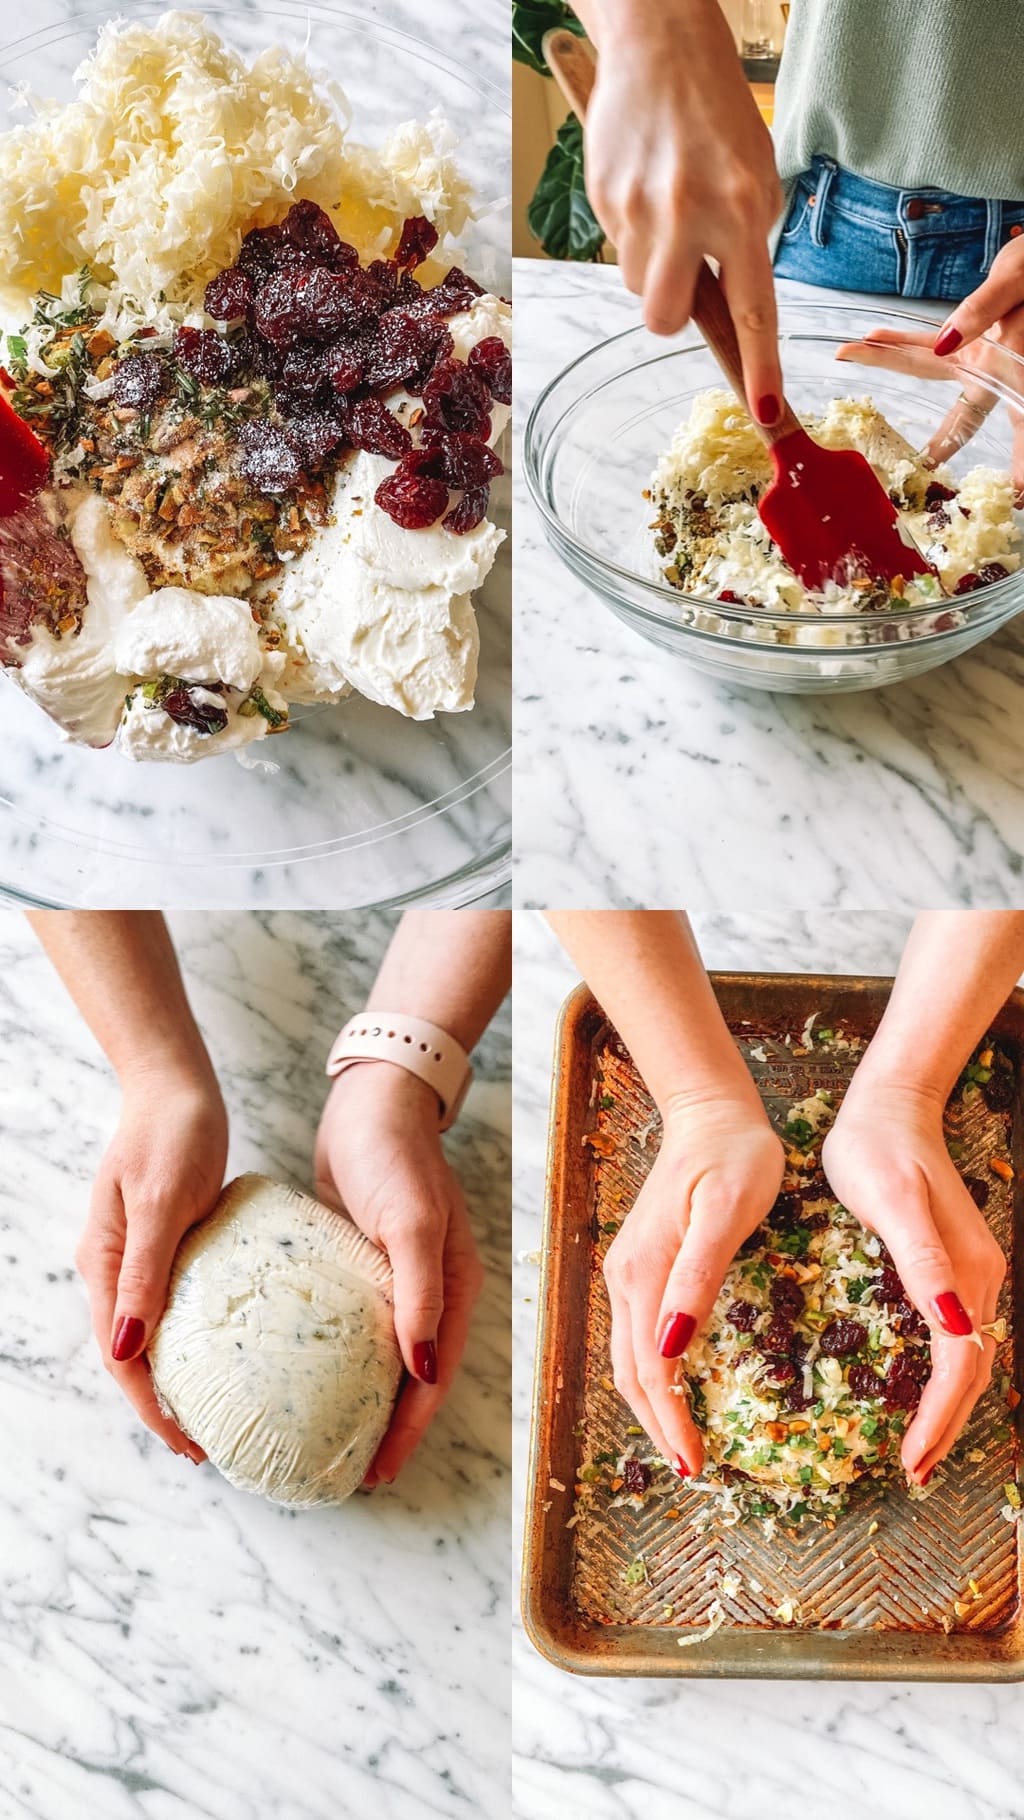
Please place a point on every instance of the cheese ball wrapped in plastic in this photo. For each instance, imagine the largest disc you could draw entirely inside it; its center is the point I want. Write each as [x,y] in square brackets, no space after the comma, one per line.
[277,1349]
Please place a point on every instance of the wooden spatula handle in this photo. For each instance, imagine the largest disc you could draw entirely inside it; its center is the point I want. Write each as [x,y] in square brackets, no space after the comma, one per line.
[572,65]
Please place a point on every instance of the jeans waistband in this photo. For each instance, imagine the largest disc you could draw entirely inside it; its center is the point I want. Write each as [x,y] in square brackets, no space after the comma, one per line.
[916,212]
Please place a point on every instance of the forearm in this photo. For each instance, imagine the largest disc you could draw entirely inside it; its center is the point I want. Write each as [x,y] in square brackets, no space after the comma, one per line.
[617,24]
[644,968]
[453,967]
[122,973]
[958,968]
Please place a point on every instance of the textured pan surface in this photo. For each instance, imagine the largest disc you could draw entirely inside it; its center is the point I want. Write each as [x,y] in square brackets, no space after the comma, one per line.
[895,1603]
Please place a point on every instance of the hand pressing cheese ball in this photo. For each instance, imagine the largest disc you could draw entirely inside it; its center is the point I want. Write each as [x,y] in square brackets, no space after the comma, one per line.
[277,1350]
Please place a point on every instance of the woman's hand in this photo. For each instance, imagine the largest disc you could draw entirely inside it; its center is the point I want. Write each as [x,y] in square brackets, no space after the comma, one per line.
[162,1173]
[716,1176]
[379,1155]
[887,1161]
[994,311]
[680,163]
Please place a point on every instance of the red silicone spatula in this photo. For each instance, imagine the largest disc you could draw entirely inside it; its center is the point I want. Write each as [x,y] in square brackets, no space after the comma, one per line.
[24,463]
[825,508]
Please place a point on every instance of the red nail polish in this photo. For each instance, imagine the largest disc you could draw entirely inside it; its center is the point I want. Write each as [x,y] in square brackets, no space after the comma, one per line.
[952,1314]
[947,342]
[129,1338]
[676,1335]
[424,1361]
[928,1474]
[768,409]
[681,1467]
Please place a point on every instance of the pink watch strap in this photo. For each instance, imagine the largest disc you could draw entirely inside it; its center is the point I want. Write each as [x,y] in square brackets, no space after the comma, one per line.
[412,1043]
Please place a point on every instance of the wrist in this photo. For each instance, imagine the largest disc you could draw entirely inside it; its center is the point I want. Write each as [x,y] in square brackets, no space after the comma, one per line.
[169,1065]
[714,1107]
[387,1089]
[614,26]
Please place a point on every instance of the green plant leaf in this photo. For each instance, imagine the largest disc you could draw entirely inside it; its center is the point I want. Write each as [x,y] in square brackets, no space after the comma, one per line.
[560,216]
[530,20]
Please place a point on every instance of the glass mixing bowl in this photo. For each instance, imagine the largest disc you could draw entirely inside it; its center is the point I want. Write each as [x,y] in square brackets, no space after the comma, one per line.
[362,807]
[595,435]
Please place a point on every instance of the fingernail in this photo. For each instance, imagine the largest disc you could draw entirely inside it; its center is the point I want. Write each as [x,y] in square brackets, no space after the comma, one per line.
[129,1336]
[768,409]
[424,1361]
[952,1314]
[947,341]
[927,1475]
[681,1467]
[676,1335]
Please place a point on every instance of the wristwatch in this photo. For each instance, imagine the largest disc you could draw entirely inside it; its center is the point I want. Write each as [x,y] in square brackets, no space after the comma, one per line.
[424,1049]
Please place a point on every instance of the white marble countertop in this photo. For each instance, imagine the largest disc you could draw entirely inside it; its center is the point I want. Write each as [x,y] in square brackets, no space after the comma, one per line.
[641,781]
[359,806]
[658,1750]
[171,1649]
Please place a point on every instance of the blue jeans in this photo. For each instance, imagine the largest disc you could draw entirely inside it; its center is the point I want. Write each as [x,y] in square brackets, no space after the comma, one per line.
[850,234]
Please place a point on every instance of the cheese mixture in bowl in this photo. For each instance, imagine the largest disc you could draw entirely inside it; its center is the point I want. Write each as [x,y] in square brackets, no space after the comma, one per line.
[269,395]
[712,543]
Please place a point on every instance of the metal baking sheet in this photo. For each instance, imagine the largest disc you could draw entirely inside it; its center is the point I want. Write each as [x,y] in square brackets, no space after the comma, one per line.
[870,1605]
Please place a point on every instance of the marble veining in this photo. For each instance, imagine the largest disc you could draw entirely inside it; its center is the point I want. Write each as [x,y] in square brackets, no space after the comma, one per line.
[654,1750]
[639,780]
[171,1649]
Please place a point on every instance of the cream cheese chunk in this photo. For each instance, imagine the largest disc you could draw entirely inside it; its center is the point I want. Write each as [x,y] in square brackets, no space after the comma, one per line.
[277,1350]
[200,637]
[76,679]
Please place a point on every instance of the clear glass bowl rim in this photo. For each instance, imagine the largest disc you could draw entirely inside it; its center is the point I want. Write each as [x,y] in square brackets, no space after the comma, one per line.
[974,607]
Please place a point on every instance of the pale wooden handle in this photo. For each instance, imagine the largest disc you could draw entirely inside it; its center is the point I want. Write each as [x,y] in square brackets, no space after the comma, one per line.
[572,65]
[573,68]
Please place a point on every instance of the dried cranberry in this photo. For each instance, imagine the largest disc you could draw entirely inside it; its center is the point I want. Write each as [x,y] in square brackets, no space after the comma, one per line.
[343,367]
[901,1391]
[461,461]
[977,1189]
[400,349]
[267,457]
[777,1336]
[314,435]
[938,520]
[990,572]
[730,599]
[864,1382]
[635,1475]
[412,500]
[263,251]
[998,1093]
[936,493]
[229,294]
[419,238]
[816,1222]
[470,511]
[370,425]
[455,293]
[205,355]
[842,1337]
[968,583]
[787,1297]
[786,1211]
[201,716]
[889,1288]
[304,304]
[912,1327]
[492,360]
[457,399]
[795,1397]
[302,371]
[139,381]
[743,1316]
[312,235]
[440,350]
[779,1370]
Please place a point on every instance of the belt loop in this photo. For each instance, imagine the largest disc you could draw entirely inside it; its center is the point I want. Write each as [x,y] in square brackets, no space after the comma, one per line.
[825,177]
[993,234]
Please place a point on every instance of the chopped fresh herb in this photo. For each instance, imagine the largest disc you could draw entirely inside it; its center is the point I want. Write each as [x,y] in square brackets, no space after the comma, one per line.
[839,1448]
[257,703]
[799,1132]
[823,1036]
[606,1102]
[806,1474]
[610,1226]
[795,1244]
[636,1572]
[858,1289]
